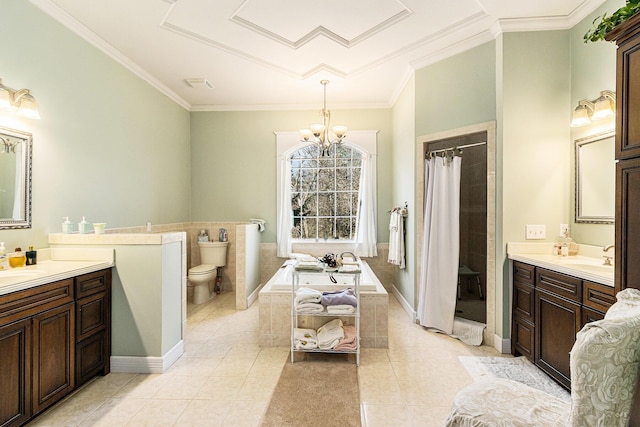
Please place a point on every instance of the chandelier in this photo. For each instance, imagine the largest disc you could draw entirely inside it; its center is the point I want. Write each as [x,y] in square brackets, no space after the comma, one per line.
[319,132]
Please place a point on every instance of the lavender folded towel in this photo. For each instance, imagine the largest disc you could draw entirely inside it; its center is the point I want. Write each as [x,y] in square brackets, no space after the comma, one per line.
[343,297]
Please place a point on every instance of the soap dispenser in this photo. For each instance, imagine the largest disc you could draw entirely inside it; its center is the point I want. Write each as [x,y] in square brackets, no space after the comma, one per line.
[4,264]
[67,226]
[84,227]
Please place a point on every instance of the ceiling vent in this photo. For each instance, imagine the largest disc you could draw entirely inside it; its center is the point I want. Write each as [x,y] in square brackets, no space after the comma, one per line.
[199,83]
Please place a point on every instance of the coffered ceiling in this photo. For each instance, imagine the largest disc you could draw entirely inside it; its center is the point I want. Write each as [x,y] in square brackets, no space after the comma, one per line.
[272,54]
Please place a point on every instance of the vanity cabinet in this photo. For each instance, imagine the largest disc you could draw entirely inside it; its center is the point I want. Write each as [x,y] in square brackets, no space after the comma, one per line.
[41,343]
[93,320]
[627,37]
[549,308]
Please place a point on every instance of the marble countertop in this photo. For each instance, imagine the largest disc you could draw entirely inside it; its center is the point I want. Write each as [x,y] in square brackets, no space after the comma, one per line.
[587,265]
[55,264]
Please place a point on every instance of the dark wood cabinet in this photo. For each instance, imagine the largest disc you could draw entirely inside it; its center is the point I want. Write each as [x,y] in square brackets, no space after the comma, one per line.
[53,356]
[93,320]
[51,341]
[549,308]
[558,320]
[15,373]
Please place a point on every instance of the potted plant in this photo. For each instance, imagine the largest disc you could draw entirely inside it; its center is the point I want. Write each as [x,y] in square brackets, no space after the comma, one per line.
[608,23]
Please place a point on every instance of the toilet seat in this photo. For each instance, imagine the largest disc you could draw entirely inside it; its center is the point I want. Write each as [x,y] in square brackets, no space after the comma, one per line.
[201,270]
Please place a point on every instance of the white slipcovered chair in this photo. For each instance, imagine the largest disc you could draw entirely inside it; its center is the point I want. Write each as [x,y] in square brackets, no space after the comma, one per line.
[605,362]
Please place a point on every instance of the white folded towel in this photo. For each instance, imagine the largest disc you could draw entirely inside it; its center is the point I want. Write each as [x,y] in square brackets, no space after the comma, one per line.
[306,295]
[305,338]
[341,309]
[309,308]
[330,334]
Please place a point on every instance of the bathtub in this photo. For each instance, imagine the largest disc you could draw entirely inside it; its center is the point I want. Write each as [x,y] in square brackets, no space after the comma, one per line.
[275,306]
[283,280]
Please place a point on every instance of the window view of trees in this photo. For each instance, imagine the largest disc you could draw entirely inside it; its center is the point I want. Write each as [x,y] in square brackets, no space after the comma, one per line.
[324,192]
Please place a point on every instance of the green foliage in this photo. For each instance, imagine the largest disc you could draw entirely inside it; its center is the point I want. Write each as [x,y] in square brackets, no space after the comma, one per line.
[608,23]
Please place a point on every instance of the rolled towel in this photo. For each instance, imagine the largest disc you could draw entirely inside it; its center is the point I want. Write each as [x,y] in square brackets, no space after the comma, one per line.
[306,295]
[309,308]
[350,340]
[342,297]
[330,334]
[341,309]
[305,339]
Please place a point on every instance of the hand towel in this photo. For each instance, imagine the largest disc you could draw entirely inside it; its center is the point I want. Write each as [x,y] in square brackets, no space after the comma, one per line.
[350,340]
[306,295]
[341,309]
[396,239]
[309,308]
[342,297]
[305,338]
[330,334]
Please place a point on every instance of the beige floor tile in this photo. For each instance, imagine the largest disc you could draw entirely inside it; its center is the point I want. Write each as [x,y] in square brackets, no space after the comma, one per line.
[386,415]
[225,378]
[159,412]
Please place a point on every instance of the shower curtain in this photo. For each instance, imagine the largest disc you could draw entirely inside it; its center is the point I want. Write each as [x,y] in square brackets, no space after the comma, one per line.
[440,243]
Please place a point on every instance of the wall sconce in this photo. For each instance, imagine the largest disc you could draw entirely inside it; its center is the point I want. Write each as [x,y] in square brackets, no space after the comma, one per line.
[601,108]
[20,102]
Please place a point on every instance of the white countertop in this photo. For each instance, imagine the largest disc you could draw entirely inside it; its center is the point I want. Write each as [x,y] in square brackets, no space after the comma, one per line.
[584,267]
[53,265]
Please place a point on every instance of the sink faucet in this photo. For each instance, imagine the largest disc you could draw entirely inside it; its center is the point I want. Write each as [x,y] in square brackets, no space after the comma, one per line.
[607,259]
[349,253]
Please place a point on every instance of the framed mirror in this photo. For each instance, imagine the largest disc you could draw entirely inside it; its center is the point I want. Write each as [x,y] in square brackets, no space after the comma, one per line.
[595,179]
[15,178]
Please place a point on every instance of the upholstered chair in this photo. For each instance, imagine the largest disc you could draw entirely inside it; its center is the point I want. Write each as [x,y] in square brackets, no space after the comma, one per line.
[605,362]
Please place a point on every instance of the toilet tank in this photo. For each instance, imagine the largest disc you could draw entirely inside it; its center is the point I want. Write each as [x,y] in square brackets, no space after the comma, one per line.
[213,253]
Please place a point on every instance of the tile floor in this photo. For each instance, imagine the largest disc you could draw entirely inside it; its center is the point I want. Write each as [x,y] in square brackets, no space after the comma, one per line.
[226,379]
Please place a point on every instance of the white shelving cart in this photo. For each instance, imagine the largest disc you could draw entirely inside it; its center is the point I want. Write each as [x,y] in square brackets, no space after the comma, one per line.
[304,278]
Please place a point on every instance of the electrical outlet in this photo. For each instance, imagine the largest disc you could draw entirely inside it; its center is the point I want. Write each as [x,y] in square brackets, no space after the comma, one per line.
[535,232]
[564,229]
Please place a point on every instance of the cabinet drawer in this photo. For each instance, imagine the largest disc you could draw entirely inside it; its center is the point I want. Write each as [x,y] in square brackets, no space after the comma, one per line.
[522,338]
[560,284]
[589,315]
[91,357]
[91,315]
[524,273]
[92,283]
[597,296]
[26,303]
[523,301]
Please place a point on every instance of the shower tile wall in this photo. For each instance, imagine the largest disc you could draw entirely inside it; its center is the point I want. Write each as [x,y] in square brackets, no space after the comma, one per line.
[473,214]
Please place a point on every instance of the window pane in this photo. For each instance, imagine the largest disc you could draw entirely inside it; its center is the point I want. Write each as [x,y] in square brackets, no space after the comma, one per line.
[309,228]
[326,180]
[343,204]
[309,204]
[325,228]
[343,226]
[325,162]
[356,178]
[325,204]
[308,179]
[355,203]
[343,179]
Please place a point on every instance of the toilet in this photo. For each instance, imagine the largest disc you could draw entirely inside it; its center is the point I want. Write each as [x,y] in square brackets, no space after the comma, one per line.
[213,255]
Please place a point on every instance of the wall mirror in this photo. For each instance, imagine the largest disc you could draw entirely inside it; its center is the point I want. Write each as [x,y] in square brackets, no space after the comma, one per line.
[15,178]
[595,179]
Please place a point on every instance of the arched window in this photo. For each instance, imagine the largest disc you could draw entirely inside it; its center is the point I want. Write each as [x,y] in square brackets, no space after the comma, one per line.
[327,199]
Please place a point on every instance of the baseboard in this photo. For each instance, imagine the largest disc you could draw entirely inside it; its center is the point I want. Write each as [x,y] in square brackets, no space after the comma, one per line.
[254,295]
[503,345]
[404,303]
[147,364]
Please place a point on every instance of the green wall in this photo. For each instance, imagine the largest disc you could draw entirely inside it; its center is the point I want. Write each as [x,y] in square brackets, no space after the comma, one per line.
[404,183]
[233,156]
[593,69]
[109,146]
[456,91]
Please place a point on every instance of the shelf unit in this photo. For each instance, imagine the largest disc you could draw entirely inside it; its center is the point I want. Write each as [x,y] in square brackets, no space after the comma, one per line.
[299,280]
